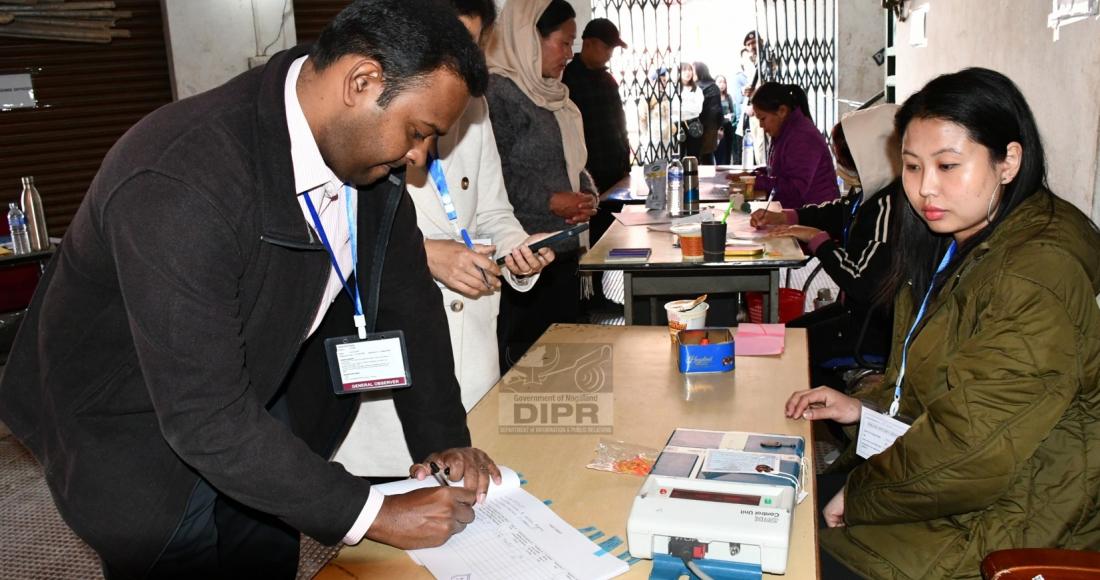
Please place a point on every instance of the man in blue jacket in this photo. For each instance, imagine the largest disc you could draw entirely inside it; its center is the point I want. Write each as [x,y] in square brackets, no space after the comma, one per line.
[170,374]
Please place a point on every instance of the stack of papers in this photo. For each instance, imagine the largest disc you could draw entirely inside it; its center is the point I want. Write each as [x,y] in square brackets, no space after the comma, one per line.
[759,339]
[641,218]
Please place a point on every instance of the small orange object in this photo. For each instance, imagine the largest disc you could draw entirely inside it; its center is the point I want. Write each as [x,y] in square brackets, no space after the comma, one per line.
[637,465]
[704,340]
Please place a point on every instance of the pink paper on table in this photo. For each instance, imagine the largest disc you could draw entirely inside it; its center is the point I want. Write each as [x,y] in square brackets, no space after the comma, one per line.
[759,339]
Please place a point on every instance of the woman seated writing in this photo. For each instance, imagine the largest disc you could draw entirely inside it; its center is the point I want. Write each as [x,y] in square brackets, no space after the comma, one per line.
[996,353]
[800,168]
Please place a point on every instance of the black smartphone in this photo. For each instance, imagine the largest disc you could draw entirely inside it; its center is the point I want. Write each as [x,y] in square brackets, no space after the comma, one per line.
[560,236]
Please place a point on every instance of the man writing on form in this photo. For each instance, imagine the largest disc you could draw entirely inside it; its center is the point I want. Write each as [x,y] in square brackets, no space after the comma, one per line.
[170,372]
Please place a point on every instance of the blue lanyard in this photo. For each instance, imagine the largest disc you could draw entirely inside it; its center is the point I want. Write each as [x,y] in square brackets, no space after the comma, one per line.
[852,218]
[435,169]
[909,337]
[360,320]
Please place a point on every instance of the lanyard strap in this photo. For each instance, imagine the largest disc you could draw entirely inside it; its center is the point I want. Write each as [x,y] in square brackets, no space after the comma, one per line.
[435,169]
[360,320]
[852,217]
[909,336]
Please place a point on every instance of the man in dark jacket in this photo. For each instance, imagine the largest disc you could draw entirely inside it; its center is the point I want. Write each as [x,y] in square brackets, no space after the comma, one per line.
[596,94]
[170,372]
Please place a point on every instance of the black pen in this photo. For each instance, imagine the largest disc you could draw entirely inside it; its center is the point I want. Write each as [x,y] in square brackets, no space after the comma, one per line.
[438,475]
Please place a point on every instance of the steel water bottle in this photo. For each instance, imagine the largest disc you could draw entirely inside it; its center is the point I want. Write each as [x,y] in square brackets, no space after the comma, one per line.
[36,218]
[691,185]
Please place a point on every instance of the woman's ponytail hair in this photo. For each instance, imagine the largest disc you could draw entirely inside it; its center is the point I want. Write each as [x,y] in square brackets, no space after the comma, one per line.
[771,95]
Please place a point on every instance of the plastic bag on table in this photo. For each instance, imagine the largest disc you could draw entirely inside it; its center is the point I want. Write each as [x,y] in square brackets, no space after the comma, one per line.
[621,457]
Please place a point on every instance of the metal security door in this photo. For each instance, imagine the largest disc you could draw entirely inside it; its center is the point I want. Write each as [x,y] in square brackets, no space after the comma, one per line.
[648,72]
[797,45]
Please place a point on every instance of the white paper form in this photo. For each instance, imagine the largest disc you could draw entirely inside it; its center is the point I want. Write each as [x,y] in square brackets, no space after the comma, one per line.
[877,432]
[641,218]
[515,536]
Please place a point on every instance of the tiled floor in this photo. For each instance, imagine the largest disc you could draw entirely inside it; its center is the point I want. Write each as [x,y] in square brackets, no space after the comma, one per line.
[39,545]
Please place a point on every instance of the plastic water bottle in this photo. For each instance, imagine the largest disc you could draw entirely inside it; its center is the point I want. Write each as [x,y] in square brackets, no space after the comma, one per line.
[675,189]
[21,241]
[747,155]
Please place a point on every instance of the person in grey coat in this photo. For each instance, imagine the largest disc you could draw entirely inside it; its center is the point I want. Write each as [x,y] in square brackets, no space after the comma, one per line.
[540,137]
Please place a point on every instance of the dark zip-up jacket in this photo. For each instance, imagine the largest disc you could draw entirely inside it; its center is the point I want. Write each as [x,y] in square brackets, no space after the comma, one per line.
[859,261]
[173,313]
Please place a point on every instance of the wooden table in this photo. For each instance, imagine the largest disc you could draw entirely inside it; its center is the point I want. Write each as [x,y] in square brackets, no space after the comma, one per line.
[651,399]
[667,274]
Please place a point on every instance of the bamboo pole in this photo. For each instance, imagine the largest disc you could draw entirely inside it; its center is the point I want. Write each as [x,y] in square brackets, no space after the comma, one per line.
[96,24]
[82,14]
[77,21]
[104,5]
[43,32]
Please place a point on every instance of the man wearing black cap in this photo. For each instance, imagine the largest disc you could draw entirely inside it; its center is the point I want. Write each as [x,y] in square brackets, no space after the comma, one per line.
[596,94]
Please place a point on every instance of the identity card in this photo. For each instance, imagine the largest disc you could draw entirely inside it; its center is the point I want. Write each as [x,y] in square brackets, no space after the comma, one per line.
[378,362]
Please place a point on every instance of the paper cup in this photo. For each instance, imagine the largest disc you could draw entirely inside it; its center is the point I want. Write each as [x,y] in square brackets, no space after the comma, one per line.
[691,241]
[690,320]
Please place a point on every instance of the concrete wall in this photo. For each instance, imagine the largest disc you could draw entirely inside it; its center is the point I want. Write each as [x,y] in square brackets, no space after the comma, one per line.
[1061,80]
[861,32]
[210,41]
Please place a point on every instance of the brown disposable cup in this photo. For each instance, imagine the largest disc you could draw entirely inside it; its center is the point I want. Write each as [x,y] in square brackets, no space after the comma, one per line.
[691,241]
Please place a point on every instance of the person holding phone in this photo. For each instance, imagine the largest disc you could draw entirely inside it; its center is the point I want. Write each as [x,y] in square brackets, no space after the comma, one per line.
[540,138]
[468,276]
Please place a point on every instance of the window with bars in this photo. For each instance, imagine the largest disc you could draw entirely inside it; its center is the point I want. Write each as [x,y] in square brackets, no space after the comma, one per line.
[797,45]
[651,29]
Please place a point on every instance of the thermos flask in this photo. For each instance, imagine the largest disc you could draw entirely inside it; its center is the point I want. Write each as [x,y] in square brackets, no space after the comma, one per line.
[691,185]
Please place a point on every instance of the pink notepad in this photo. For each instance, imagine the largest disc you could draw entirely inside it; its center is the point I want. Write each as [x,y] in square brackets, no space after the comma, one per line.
[759,339]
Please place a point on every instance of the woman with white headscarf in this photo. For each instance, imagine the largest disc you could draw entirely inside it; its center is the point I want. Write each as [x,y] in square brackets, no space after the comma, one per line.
[850,237]
[540,138]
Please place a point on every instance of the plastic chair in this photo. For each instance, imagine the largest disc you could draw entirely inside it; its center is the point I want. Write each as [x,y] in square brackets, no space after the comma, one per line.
[1030,563]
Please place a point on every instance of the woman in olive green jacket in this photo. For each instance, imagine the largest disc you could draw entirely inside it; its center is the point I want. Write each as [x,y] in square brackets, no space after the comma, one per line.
[1001,373]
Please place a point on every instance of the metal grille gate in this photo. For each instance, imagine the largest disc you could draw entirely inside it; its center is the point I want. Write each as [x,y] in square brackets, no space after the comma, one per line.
[797,45]
[651,28]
